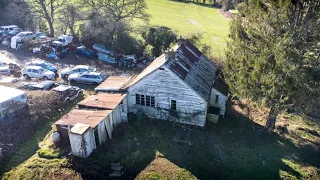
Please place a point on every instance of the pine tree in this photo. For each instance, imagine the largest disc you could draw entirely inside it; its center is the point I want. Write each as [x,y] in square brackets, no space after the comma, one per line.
[273,53]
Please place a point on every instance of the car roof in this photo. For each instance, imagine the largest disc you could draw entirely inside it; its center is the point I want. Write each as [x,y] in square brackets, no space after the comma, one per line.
[81,66]
[38,62]
[10,26]
[34,67]
[92,73]
[25,32]
[62,88]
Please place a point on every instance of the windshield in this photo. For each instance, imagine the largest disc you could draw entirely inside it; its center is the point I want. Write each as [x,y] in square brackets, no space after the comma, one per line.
[13,32]
[41,34]
[45,65]
[42,70]
[2,64]
[20,35]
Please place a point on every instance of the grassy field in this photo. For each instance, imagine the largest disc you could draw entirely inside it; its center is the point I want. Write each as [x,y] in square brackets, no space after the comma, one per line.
[233,149]
[188,18]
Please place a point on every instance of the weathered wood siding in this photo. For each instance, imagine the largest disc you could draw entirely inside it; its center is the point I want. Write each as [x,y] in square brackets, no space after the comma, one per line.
[165,86]
[221,103]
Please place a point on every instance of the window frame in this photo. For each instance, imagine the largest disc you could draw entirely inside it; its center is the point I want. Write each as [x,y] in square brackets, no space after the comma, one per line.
[145,100]
[173,105]
[217,99]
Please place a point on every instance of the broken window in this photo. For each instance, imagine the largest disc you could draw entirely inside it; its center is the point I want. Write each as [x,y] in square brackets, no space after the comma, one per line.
[217,98]
[173,104]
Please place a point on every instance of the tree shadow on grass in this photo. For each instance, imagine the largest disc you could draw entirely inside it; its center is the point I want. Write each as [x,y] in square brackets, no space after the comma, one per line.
[227,150]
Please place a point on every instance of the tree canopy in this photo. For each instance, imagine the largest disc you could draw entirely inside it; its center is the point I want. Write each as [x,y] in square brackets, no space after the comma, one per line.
[273,53]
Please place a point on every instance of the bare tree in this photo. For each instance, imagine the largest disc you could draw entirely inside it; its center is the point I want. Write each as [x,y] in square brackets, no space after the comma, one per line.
[47,9]
[121,9]
[70,17]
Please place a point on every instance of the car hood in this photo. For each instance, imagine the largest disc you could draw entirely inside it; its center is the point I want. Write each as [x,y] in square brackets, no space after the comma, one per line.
[50,73]
[66,70]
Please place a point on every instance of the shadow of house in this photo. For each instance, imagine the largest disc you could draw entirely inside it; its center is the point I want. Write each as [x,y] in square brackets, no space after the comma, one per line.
[228,150]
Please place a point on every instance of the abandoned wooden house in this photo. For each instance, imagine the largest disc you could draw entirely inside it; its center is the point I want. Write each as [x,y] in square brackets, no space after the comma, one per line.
[12,102]
[180,85]
[101,113]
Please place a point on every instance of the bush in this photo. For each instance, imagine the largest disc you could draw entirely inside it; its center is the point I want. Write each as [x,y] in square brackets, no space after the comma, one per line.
[49,154]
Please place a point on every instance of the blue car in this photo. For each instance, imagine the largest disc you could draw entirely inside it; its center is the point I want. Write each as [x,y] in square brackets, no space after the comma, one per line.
[44,65]
[83,51]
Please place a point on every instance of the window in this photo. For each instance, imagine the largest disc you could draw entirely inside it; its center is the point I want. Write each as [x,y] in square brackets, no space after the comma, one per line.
[29,70]
[173,104]
[138,99]
[145,100]
[152,101]
[217,98]
[35,71]
[82,70]
[148,101]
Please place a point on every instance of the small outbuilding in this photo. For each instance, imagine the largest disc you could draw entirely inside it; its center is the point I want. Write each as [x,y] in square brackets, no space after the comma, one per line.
[12,101]
[82,140]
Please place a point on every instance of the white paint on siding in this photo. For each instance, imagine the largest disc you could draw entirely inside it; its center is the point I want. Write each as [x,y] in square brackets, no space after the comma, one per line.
[221,103]
[82,145]
[165,86]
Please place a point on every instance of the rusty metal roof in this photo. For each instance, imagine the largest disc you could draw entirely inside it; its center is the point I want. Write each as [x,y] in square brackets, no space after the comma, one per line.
[113,83]
[189,64]
[89,117]
[102,101]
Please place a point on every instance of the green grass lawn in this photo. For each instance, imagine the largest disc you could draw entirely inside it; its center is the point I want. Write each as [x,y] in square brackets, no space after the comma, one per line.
[188,18]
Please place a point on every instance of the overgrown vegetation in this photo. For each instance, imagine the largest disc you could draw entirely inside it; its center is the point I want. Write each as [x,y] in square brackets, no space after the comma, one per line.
[273,55]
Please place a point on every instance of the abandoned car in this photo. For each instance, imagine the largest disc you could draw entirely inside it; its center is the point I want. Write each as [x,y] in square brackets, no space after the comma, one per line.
[38,72]
[93,78]
[68,93]
[76,70]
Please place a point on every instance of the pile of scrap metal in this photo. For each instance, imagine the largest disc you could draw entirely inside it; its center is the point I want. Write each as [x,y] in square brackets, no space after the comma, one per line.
[54,48]
[113,58]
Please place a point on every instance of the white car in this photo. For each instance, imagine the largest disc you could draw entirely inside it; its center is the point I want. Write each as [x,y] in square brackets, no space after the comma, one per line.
[24,36]
[65,73]
[87,78]
[38,72]
[4,69]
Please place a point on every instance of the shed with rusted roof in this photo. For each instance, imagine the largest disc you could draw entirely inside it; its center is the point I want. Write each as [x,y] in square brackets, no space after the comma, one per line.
[178,86]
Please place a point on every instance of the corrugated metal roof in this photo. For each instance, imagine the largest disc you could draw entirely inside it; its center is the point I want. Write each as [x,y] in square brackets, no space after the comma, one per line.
[113,83]
[7,93]
[90,117]
[102,101]
[190,65]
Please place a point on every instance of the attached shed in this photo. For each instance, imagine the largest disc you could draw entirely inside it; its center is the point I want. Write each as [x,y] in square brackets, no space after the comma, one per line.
[12,101]
[99,121]
[113,84]
[104,101]
[218,100]
[82,140]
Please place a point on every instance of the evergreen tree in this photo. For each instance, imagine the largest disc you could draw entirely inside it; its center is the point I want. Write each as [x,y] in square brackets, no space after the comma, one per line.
[273,53]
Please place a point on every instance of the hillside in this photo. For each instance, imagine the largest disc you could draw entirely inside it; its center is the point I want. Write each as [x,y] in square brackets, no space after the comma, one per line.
[188,18]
